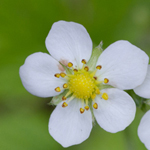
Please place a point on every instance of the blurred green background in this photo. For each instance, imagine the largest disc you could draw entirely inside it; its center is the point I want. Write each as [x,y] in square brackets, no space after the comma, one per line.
[24,26]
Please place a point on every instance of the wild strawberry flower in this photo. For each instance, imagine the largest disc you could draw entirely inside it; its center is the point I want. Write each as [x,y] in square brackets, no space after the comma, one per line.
[88,84]
[143,90]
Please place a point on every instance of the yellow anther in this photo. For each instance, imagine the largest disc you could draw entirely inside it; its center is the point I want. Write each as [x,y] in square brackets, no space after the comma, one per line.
[98,67]
[105,96]
[57,89]
[64,98]
[106,80]
[83,61]
[93,96]
[62,74]
[86,107]
[86,68]
[75,70]
[95,78]
[97,91]
[64,104]
[57,75]
[81,110]
[95,105]
[65,85]
[70,64]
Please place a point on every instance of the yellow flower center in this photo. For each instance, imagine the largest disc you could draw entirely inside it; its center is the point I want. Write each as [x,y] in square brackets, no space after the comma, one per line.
[82,84]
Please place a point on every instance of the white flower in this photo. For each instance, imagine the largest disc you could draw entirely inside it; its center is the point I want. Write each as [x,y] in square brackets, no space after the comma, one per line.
[143,90]
[122,65]
[144,130]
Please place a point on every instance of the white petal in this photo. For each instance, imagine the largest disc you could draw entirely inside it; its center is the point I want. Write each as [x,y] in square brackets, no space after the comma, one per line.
[124,64]
[116,113]
[68,126]
[144,130]
[37,75]
[143,90]
[69,42]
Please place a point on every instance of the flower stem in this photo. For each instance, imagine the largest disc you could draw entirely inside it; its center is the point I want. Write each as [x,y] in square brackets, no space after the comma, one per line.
[129,140]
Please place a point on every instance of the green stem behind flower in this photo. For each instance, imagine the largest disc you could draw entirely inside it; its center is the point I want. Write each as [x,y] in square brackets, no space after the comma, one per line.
[139,101]
[129,139]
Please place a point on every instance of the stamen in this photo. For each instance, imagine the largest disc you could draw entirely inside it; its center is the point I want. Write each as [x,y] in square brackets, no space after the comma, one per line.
[99,82]
[99,67]
[64,98]
[106,80]
[65,85]
[86,103]
[57,89]
[105,96]
[62,74]
[82,103]
[57,75]
[83,61]
[95,105]
[71,98]
[97,91]
[68,94]
[81,110]
[70,64]
[75,70]
[86,68]
[93,73]
[86,107]
[64,104]
[95,78]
